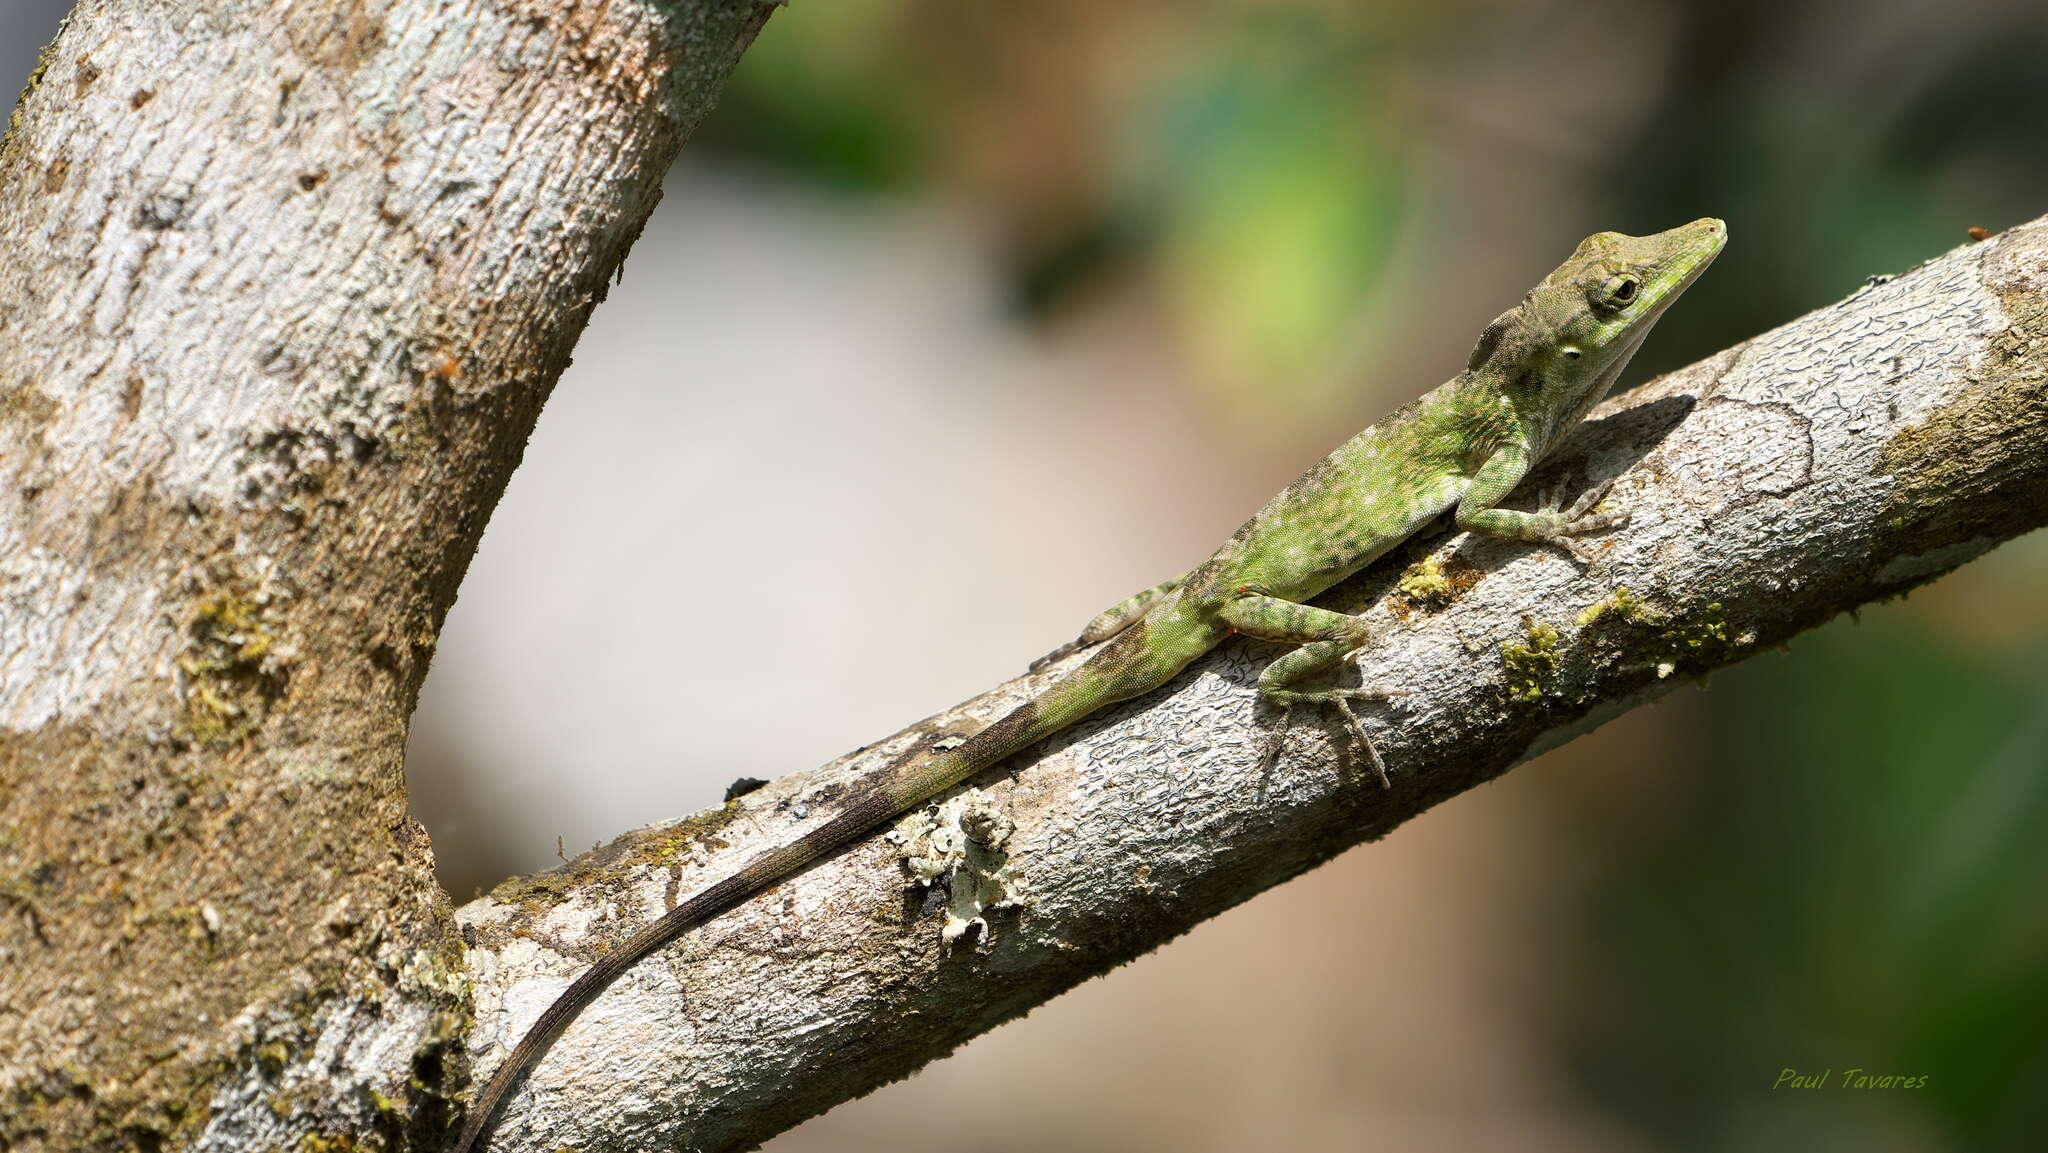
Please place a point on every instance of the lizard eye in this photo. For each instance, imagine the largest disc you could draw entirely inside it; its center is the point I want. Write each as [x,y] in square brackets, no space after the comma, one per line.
[1621,289]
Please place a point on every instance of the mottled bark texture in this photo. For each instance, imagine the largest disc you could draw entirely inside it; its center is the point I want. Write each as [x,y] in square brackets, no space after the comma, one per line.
[1846,457]
[283,285]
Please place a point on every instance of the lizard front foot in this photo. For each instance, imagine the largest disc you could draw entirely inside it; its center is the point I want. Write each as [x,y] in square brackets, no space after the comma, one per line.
[1578,519]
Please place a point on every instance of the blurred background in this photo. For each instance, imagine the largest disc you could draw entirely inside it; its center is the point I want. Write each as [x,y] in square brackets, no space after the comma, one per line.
[962,320]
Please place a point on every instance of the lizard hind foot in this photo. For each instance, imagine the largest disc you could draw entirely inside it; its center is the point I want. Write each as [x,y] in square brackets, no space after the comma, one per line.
[1372,753]
[1341,699]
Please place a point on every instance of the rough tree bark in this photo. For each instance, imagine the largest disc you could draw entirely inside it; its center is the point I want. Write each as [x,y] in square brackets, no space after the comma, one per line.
[283,284]
[283,287]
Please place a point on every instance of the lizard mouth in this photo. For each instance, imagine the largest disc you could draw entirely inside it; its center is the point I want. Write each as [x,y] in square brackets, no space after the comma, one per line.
[1698,244]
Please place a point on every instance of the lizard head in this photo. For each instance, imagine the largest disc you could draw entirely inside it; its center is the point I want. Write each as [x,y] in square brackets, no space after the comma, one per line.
[1558,352]
[1600,303]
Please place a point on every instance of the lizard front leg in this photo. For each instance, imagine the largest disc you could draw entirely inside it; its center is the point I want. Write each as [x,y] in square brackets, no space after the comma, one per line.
[1498,477]
[1112,620]
[1326,638]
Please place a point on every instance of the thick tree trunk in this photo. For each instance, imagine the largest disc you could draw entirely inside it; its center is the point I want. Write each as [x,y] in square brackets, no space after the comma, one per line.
[283,286]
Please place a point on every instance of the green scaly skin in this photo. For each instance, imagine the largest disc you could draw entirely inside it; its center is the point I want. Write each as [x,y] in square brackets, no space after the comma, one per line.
[1536,371]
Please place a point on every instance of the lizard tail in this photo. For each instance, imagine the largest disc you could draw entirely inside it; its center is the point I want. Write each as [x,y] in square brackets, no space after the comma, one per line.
[1111,675]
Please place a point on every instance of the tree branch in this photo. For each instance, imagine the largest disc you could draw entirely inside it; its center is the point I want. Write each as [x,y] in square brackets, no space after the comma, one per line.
[1846,457]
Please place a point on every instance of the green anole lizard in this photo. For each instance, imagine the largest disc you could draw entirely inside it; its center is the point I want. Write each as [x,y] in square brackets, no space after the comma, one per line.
[1535,372]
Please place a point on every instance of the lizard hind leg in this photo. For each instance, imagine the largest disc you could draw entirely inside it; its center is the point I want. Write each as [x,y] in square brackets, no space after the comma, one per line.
[1111,621]
[1326,638]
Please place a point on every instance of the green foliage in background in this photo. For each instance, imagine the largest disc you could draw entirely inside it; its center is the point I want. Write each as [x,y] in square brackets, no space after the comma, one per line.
[1859,876]
[1250,168]
[1855,880]
[825,94]
[1275,186]
[1837,150]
